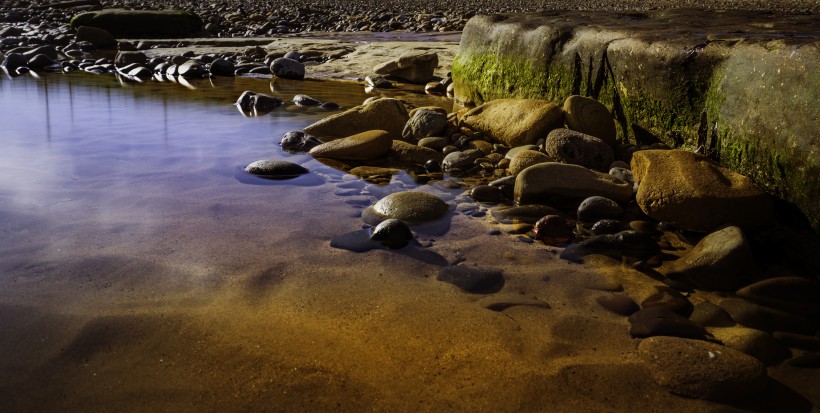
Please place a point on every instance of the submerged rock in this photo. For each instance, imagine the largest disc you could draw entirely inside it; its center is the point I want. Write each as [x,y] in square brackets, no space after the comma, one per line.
[298,141]
[275,168]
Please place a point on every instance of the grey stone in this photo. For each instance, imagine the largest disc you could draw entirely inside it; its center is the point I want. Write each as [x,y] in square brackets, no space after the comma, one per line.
[598,207]
[576,148]
[424,123]
[191,69]
[275,168]
[288,69]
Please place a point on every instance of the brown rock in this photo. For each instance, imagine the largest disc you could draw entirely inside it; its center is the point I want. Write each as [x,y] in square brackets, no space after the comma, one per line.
[409,153]
[524,159]
[577,148]
[587,115]
[514,122]
[722,260]
[794,294]
[753,342]
[540,182]
[694,193]
[360,147]
[381,114]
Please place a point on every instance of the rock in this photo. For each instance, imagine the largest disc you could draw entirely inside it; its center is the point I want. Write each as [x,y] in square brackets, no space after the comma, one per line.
[529,214]
[412,207]
[48,50]
[472,279]
[39,61]
[412,66]
[222,67]
[288,69]
[100,38]
[524,159]
[518,149]
[701,370]
[306,101]
[435,88]
[126,58]
[576,148]
[793,294]
[588,116]
[274,168]
[140,23]
[623,174]
[487,193]
[723,260]
[392,233]
[293,54]
[660,321]
[553,230]
[503,302]
[485,147]
[598,207]
[514,122]
[191,69]
[408,153]
[141,73]
[424,123]
[606,226]
[624,243]
[434,143]
[767,319]
[298,141]
[670,299]
[374,173]
[257,103]
[13,61]
[706,314]
[618,304]
[463,161]
[691,192]
[539,183]
[753,342]
[359,147]
[383,114]
[329,106]
[378,82]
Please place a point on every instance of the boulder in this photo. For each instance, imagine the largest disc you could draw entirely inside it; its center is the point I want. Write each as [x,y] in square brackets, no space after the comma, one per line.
[694,193]
[541,182]
[140,23]
[577,148]
[424,123]
[100,38]
[701,370]
[722,260]
[514,122]
[588,116]
[413,66]
[412,207]
[359,147]
[383,114]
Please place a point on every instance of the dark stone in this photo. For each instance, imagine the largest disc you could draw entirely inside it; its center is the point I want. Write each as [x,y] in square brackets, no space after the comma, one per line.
[527,214]
[706,314]
[126,58]
[306,101]
[607,226]
[553,230]
[486,193]
[670,299]
[275,169]
[222,67]
[479,280]
[330,106]
[141,73]
[257,103]
[806,361]
[298,141]
[140,23]
[659,321]
[392,233]
[501,303]
[618,304]
[767,319]
[793,294]
[13,61]
[100,38]
[288,69]
[598,207]
[625,243]
[191,69]
[39,61]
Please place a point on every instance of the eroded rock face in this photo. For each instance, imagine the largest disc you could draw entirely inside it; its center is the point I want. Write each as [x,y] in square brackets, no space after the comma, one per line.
[694,193]
[514,122]
[701,370]
[389,115]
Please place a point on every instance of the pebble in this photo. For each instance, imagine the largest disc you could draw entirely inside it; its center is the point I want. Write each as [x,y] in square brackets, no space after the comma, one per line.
[553,230]
[392,233]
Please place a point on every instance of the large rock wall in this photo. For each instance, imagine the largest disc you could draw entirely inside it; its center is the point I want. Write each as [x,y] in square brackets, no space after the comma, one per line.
[743,85]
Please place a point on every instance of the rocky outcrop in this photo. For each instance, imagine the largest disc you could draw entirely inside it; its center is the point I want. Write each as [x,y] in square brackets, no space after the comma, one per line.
[683,77]
[141,22]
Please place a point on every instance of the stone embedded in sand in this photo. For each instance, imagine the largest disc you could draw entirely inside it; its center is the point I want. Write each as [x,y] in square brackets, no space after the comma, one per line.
[514,122]
[412,207]
[618,304]
[793,294]
[692,192]
[569,146]
[383,114]
[753,342]
[501,303]
[723,260]
[392,233]
[412,66]
[767,319]
[587,115]
[359,147]
[701,370]
[409,153]
[191,69]
[670,299]
[660,321]
[539,183]
[275,168]
[524,159]
[472,279]
[706,314]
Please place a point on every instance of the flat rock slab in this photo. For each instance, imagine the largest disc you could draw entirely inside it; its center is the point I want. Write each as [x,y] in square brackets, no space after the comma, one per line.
[141,22]
[741,84]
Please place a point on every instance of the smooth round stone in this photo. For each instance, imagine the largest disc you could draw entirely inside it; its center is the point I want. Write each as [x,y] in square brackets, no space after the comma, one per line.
[412,154]
[553,230]
[487,193]
[141,73]
[359,147]
[518,149]
[306,101]
[591,117]
[424,123]
[435,88]
[606,226]
[753,342]
[329,106]
[707,314]
[702,370]
[412,207]
[529,214]
[569,146]
[598,207]
[618,304]
[222,67]
[660,321]
[288,69]
[460,160]
[767,319]
[14,61]
[377,82]
[293,55]
[392,233]
[434,143]
[191,69]
[670,299]
[472,279]
[275,168]
[39,61]
[524,159]
[794,294]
